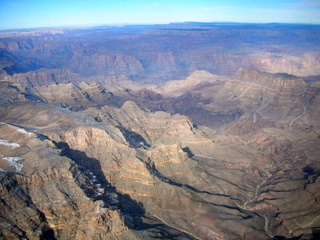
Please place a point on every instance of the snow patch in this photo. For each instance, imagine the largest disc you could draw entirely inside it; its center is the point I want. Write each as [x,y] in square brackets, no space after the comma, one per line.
[14,163]
[21,130]
[8,144]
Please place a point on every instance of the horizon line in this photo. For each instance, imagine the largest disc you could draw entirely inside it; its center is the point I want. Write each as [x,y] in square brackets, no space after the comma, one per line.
[93,25]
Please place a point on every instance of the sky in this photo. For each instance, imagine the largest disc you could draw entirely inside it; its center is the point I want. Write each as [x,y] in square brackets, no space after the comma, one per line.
[56,13]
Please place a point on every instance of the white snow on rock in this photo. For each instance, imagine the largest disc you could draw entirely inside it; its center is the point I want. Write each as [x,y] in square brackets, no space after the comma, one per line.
[14,163]
[8,144]
[21,130]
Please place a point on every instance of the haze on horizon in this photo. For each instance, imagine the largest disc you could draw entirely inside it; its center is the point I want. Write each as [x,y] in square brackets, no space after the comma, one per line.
[54,13]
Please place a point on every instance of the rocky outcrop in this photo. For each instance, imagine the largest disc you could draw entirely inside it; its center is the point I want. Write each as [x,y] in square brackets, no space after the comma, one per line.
[20,218]
[50,197]
[12,93]
[250,92]
[63,93]
[275,63]
[68,95]
[271,96]
[45,77]
[176,88]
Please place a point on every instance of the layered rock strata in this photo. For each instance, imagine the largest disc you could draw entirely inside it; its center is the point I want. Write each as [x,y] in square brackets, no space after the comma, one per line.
[136,173]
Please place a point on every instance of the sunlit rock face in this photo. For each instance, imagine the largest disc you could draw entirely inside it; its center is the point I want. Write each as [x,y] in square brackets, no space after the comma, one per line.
[207,142]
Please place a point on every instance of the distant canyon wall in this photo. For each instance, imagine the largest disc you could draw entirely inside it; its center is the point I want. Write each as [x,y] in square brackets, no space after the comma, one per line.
[162,53]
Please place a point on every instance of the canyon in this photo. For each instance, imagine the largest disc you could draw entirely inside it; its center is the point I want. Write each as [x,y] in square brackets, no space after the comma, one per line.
[178,131]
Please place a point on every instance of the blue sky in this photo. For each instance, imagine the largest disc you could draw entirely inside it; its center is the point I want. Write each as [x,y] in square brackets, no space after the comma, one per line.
[48,13]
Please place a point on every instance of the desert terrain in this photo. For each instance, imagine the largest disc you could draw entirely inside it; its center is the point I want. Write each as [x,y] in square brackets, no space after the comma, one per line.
[178,131]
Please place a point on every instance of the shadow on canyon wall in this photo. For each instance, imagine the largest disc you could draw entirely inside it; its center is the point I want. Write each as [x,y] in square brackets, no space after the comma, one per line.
[131,211]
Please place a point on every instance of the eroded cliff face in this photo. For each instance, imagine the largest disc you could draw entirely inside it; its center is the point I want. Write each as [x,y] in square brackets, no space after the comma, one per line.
[44,77]
[45,195]
[102,64]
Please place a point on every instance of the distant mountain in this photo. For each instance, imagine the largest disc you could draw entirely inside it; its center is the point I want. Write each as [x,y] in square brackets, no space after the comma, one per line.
[159,53]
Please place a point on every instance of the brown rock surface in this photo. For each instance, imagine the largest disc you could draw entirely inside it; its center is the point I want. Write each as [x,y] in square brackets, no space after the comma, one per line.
[47,195]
